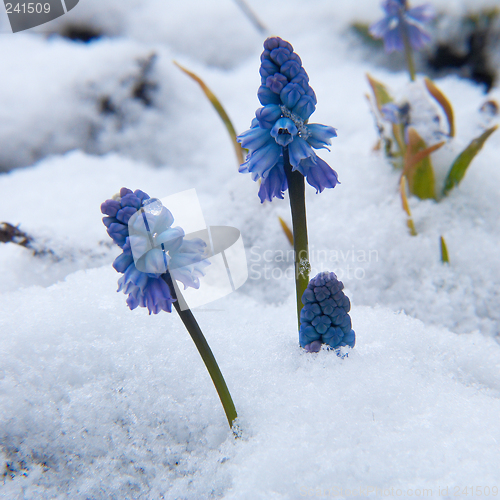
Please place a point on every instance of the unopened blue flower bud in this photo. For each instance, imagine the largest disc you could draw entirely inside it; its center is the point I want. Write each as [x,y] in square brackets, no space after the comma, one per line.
[118,232]
[305,108]
[124,214]
[280,55]
[268,115]
[291,94]
[324,319]
[110,207]
[291,69]
[267,96]
[122,262]
[268,68]
[131,200]
[276,82]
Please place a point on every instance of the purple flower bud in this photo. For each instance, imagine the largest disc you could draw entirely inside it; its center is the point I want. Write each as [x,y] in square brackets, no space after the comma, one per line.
[291,94]
[305,107]
[131,200]
[290,69]
[122,262]
[267,96]
[267,116]
[110,207]
[271,43]
[324,317]
[268,68]
[118,232]
[280,55]
[125,213]
[276,82]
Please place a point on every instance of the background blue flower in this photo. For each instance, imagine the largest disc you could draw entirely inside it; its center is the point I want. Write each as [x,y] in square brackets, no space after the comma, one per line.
[141,227]
[282,123]
[324,319]
[400,20]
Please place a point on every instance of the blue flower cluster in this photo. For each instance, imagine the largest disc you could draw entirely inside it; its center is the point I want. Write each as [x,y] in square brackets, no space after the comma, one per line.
[281,126]
[324,318]
[141,227]
[400,21]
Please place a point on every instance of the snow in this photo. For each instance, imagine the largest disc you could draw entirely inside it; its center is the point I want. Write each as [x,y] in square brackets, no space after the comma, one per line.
[101,402]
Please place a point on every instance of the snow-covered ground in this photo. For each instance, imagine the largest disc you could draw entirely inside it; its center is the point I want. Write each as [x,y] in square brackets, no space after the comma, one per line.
[100,402]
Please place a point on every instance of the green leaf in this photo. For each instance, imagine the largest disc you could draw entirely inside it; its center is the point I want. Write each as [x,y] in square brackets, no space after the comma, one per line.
[380,92]
[220,110]
[444,251]
[443,102]
[406,206]
[418,167]
[463,160]
[398,132]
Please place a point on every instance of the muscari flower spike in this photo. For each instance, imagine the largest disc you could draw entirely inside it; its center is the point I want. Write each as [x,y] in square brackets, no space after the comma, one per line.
[324,318]
[162,249]
[400,21]
[288,101]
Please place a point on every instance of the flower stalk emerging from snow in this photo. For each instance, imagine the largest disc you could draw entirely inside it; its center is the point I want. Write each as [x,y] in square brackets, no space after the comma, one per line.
[281,144]
[403,29]
[324,318]
[154,252]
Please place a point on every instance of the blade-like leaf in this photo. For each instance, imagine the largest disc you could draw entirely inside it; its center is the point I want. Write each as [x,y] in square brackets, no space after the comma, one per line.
[443,102]
[463,160]
[252,16]
[418,167]
[418,157]
[286,230]
[406,206]
[220,110]
[399,136]
[444,251]
[380,92]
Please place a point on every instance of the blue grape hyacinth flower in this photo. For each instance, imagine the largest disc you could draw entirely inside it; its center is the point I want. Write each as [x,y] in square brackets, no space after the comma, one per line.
[324,319]
[400,21]
[281,126]
[141,227]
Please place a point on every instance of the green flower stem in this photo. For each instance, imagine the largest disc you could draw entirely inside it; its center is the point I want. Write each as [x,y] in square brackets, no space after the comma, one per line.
[201,343]
[409,56]
[298,207]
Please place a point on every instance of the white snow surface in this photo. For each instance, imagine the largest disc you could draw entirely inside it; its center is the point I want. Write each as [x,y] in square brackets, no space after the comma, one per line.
[100,402]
